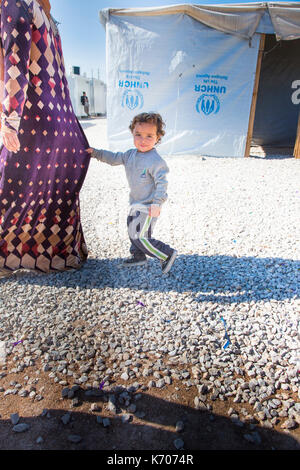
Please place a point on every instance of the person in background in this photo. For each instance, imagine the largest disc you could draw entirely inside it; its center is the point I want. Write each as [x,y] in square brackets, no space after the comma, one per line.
[85,103]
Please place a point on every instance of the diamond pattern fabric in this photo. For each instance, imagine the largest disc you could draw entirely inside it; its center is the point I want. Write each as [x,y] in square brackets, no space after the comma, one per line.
[40,226]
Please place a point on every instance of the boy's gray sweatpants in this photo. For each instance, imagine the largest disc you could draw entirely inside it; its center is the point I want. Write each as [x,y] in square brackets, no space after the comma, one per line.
[140,226]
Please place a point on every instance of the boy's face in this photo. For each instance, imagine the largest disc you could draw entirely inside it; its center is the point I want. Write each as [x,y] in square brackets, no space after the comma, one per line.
[144,136]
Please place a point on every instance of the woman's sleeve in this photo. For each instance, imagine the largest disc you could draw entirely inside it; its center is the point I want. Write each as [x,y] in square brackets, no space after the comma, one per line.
[16,37]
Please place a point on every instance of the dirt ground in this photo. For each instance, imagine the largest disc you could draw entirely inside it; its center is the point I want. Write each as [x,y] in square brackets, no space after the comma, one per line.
[153,428]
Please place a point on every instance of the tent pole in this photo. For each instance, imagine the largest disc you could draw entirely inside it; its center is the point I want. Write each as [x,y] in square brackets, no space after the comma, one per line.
[254,96]
[297,143]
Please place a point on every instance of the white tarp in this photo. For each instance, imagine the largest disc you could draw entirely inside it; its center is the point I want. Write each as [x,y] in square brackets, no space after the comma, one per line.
[242,19]
[199,79]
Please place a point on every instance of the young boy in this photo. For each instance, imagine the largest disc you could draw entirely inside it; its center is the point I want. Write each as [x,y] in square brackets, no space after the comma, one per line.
[146,173]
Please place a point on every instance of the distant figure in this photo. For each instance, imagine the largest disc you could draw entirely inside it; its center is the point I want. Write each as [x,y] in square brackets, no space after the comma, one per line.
[85,103]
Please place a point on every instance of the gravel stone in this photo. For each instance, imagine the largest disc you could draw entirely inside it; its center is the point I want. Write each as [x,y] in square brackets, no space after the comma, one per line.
[14,418]
[178,444]
[106,422]
[21,427]
[132,408]
[125,376]
[179,426]
[66,418]
[65,392]
[95,407]
[75,402]
[289,424]
[74,438]
[160,383]
[126,418]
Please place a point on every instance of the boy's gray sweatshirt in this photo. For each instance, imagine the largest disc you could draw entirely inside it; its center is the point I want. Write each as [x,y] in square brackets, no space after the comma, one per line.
[146,174]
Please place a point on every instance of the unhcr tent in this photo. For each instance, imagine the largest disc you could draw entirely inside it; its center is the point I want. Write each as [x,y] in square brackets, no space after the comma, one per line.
[222,76]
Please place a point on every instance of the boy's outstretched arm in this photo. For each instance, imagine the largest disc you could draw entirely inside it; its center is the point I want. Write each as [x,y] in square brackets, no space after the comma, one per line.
[106,156]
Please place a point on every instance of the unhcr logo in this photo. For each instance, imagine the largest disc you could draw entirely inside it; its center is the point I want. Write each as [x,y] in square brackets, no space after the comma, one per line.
[132,99]
[208,104]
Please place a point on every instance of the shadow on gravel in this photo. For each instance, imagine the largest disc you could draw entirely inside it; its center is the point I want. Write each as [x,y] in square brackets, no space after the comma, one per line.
[221,279]
[156,430]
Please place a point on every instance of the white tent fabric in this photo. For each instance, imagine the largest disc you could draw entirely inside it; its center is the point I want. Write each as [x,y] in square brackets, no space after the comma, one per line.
[240,19]
[199,79]
[286,20]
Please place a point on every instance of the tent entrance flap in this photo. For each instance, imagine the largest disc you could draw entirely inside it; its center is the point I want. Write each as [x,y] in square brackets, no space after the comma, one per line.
[278,94]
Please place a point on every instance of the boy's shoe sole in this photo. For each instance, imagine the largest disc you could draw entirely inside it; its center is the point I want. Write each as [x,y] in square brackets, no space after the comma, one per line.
[129,263]
[167,265]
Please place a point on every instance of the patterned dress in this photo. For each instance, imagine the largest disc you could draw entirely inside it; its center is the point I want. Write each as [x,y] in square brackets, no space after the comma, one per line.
[40,226]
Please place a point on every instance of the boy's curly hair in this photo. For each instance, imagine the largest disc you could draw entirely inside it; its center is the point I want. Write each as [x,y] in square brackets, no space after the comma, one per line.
[150,118]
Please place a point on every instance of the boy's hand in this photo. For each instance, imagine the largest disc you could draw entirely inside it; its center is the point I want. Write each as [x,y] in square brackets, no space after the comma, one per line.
[154,211]
[89,150]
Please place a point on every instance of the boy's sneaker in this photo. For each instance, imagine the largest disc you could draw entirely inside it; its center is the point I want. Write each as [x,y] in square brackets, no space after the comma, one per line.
[134,261]
[167,265]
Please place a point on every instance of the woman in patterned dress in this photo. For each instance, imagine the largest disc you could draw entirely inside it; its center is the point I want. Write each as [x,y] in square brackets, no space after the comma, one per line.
[43,161]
